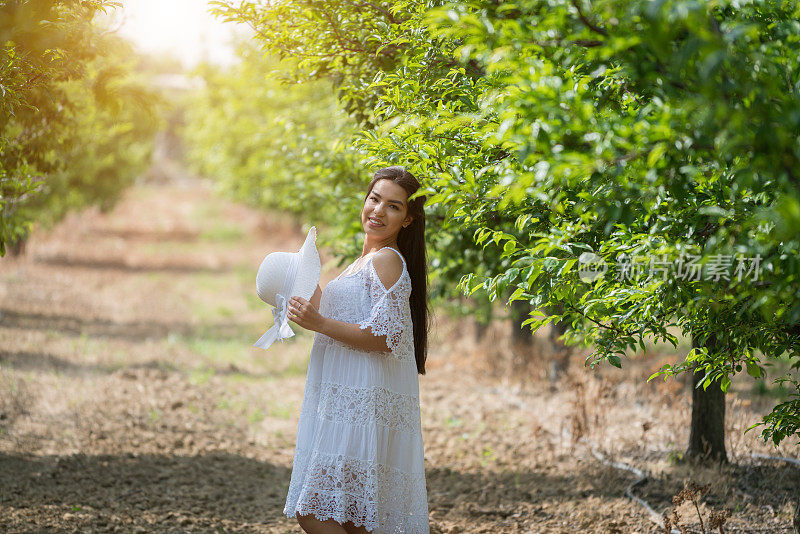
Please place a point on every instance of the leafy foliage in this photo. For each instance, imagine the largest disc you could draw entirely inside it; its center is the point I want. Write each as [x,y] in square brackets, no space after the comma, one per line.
[556,131]
[633,134]
[72,131]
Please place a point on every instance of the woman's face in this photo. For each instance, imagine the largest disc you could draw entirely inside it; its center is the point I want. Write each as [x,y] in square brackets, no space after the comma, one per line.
[385,211]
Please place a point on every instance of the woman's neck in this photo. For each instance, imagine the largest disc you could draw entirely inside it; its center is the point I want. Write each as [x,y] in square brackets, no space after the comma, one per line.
[374,247]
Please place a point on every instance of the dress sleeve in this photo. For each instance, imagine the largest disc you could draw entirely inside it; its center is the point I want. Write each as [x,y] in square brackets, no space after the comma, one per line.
[390,314]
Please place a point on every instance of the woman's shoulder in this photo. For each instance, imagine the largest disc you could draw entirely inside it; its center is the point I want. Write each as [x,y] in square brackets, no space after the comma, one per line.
[389,266]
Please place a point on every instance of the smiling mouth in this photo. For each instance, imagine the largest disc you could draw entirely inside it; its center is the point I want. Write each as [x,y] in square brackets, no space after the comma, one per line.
[375,222]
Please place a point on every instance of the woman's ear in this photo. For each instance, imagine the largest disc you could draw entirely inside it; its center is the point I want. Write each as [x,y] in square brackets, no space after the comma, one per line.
[408,221]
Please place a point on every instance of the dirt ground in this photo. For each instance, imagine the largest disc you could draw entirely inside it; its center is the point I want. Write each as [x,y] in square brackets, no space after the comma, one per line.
[132,399]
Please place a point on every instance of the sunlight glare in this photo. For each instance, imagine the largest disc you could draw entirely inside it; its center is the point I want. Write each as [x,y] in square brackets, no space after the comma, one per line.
[183,28]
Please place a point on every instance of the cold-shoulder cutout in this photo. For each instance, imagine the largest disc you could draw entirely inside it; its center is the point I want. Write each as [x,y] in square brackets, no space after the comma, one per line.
[388,266]
[390,314]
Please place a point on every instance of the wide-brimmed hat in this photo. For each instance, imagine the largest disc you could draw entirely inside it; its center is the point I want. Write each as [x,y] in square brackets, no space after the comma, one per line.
[283,275]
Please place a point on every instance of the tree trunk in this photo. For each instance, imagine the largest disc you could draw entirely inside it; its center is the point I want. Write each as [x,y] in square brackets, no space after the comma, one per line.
[17,248]
[482,316]
[519,314]
[522,340]
[480,330]
[707,435]
[559,358]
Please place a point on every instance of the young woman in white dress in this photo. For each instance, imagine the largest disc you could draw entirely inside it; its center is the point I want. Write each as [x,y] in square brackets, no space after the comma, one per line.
[359,461]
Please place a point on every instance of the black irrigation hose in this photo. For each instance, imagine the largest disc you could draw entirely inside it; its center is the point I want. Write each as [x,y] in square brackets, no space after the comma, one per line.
[779,458]
[655,517]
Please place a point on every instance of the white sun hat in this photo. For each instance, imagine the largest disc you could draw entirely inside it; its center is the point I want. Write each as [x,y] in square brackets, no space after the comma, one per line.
[283,275]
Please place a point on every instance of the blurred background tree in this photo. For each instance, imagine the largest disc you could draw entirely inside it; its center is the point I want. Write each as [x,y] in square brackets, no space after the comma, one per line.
[76,119]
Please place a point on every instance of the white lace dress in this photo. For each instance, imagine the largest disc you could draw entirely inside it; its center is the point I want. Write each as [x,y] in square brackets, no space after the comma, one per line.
[359,452]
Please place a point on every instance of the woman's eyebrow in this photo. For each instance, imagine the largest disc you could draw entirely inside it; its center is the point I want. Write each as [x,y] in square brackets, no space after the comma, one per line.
[395,201]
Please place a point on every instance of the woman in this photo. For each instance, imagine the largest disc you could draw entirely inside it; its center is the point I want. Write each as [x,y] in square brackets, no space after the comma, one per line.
[359,465]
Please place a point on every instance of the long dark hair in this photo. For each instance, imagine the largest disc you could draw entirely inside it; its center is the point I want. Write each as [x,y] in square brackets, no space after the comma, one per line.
[411,241]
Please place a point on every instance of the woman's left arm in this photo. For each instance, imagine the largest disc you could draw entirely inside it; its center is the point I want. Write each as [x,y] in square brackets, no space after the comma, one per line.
[306,315]
[388,266]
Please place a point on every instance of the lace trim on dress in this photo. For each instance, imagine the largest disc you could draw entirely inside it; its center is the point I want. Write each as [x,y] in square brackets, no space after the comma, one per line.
[364,492]
[391,314]
[357,406]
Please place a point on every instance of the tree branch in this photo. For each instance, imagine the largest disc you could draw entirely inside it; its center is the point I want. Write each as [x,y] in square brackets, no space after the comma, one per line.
[378,8]
[589,24]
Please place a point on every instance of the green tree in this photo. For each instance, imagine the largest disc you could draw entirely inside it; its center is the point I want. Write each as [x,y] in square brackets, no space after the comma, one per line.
[632,126]
[72,128]
[273,143]
[405,96]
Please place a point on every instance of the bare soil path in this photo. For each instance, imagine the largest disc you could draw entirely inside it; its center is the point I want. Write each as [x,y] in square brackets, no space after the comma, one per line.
[132,399]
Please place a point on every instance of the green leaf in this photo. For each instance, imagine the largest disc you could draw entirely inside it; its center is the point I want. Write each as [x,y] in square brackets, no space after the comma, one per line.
[655,154]
[533,273]
[725,383]
[753,369]
[517,295]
